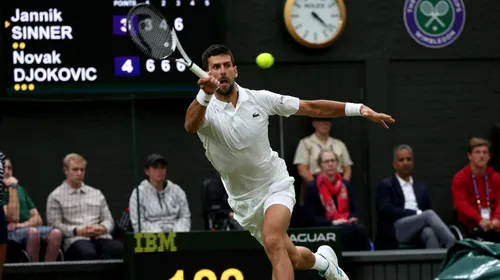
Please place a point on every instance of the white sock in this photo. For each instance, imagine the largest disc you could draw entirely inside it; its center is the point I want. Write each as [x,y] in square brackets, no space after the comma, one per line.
[320,264]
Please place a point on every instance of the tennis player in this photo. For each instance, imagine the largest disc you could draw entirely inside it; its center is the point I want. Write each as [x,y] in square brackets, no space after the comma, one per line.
[3,221]
[233,128]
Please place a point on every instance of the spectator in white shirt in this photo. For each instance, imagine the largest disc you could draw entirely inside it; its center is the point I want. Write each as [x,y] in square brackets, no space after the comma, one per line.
[158,204]
[404,209]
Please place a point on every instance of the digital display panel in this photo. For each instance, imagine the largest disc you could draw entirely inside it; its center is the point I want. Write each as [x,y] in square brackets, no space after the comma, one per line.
[57,46]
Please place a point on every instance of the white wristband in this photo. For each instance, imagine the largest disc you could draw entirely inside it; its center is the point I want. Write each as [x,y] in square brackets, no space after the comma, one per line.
[203,98]
[353,109]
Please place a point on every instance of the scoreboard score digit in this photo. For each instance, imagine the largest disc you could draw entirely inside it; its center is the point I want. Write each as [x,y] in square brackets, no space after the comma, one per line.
[127,66]
[68,47]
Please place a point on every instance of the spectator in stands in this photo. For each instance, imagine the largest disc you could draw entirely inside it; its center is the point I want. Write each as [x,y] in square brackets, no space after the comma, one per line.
[217,213]
[328,202]
[163,206]
[476,193]
[3,221]
[24,221]
[82,214]
[307,152]
[404,209]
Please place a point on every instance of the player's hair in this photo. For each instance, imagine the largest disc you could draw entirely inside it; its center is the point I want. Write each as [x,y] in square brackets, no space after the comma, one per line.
[215,50]
[401,147]
[475,142]
[320,157]
[73,157]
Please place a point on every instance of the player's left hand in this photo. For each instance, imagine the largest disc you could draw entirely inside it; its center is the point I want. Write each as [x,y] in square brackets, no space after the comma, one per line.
[375,117]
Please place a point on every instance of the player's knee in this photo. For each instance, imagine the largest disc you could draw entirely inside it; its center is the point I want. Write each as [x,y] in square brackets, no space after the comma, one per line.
[273,243]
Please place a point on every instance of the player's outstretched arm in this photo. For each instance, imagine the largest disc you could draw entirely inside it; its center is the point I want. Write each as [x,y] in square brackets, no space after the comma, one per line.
[195,115]
[334,109]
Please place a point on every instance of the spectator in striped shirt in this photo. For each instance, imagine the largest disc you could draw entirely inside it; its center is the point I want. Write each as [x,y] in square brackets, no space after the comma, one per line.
[158,204]
[24,221]
[82,214]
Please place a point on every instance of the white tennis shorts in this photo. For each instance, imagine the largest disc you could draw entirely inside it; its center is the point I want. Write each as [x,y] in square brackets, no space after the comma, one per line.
[250,213]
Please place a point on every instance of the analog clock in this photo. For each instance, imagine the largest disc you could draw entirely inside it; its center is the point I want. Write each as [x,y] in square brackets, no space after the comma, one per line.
[315,23]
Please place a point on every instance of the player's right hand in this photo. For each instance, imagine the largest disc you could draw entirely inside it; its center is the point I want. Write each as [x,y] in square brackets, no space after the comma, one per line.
[209,84]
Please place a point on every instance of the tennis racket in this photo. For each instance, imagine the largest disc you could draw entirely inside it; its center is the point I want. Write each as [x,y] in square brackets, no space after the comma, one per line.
[150,31]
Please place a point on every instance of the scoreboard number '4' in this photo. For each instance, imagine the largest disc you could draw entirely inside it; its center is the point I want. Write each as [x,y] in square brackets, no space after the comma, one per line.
[128,66]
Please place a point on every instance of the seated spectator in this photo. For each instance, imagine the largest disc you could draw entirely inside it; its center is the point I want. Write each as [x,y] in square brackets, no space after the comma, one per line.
[163,206]
[82,214]
[24,221]
[3,222]
[328,202]
[404,209]
[307,152]
[476,193]
[217,213]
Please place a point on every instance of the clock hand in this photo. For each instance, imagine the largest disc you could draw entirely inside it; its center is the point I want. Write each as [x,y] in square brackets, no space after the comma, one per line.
[315,15]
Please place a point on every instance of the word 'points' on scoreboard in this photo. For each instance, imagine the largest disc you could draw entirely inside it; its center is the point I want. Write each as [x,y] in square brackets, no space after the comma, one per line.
[57,47]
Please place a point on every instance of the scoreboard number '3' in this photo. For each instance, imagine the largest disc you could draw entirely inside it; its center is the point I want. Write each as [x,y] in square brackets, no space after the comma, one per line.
[207,274]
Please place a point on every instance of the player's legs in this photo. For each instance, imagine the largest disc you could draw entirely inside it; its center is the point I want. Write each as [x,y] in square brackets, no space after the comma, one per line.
[324,260]
[283,254]
[302,258]
[276,220]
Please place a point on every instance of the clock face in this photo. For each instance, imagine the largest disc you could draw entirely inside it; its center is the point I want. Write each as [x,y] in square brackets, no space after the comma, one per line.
[316,22]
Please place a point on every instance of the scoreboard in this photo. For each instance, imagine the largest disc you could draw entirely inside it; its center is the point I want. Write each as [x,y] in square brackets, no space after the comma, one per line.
[61,46]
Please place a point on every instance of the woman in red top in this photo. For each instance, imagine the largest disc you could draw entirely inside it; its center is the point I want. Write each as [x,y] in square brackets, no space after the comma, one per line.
[329,202]
[476,192]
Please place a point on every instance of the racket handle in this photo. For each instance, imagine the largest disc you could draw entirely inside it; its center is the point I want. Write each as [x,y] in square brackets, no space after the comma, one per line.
[198,71]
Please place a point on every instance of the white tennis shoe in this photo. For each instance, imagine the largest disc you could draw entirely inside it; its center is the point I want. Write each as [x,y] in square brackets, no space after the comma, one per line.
[333,271]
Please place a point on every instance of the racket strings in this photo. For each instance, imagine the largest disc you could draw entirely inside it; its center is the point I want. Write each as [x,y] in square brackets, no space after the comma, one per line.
[150,32]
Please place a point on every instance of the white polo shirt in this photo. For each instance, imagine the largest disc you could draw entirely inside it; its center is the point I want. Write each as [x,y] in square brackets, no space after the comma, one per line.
[236,141]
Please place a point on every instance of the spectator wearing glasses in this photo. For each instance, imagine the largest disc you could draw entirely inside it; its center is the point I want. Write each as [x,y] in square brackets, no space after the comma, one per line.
[328,202]
[309,148]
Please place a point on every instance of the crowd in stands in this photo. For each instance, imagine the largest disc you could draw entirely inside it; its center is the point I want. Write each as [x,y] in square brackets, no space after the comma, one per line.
[80,226]
[405,217]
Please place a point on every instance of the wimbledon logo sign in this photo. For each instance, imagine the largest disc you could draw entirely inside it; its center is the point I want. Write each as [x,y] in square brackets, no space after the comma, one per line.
[434,23]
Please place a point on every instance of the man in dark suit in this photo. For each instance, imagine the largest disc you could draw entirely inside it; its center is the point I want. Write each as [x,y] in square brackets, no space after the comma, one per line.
[404,209]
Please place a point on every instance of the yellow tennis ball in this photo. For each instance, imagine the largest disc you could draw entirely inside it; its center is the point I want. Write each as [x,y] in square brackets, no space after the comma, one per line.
[265,60]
